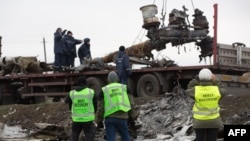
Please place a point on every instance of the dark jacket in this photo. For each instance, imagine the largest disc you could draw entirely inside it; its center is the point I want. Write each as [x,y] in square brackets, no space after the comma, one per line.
[69,45]
[79,88]
[214,123]
[133,114]
[58,44]
[84,51]
[122,64]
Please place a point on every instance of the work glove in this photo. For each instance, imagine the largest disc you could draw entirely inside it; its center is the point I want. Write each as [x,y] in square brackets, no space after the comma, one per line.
[64,31]
[133,114]
[100,124]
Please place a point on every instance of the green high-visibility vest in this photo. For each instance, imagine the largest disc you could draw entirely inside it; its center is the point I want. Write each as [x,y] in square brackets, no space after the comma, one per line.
[206,105]
[82,109]
[115,98]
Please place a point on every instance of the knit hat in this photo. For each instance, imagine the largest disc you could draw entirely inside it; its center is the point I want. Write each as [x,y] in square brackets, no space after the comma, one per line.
[205,74]
[86,40]
[121,48]
[81,80]
[112,77]
[69,32]
[58,29]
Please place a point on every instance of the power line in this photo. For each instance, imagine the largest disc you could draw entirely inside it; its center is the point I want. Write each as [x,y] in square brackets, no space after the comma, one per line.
[192,4]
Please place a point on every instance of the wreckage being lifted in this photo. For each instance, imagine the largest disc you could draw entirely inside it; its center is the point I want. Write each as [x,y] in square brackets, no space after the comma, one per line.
[178,32]
[230,63]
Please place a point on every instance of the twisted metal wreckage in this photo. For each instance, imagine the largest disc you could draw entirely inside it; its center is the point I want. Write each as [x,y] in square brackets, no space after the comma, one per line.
[178,32]
[24,65]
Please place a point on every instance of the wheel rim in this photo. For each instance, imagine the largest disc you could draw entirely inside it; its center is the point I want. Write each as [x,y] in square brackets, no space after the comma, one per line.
[148,85]
[149,88]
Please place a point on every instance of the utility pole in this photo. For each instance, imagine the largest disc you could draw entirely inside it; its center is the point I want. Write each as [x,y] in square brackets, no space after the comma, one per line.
[0,46]
[44,48]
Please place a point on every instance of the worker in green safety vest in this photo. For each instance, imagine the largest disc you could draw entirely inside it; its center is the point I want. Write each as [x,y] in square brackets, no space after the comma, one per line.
[83,104]
[207,93]
[116,105]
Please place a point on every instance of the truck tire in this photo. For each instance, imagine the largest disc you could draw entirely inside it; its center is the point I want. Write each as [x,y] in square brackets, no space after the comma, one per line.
[148,85]
[1,93]
[132,86]
[95,83]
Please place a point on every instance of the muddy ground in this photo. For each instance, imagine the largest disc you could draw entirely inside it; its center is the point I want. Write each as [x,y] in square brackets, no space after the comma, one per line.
[58,113]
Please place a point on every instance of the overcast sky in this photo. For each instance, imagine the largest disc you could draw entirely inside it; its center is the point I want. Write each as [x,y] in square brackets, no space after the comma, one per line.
[109,24]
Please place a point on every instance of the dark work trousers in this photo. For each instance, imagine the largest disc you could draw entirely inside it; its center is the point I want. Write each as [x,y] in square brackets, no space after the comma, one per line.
[66,60]
[58,60]
[80,60]
[114,125]
[206,134]
[88,129]
[124,80]
[72,61]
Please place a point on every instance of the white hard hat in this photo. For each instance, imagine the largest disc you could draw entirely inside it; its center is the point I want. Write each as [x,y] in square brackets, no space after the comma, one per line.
[205,74]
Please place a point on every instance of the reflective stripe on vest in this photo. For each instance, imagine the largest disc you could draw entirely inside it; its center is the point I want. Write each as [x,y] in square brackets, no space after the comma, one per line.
[115,99]
[206,102]
[82,109]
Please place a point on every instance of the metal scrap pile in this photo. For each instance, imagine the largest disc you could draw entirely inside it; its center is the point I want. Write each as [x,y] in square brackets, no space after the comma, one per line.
[170,118]
[164,118]
[239,119]
[20,64]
